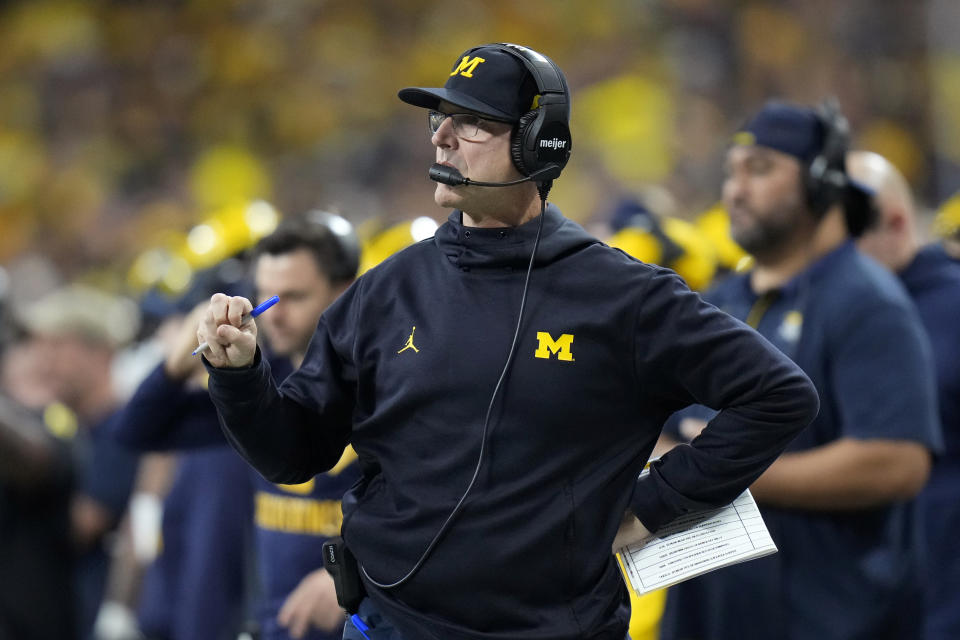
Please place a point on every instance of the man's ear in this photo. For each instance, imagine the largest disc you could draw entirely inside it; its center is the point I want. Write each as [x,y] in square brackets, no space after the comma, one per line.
[897,220]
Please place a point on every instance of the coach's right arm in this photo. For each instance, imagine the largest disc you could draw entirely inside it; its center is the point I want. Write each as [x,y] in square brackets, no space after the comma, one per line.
[284,440]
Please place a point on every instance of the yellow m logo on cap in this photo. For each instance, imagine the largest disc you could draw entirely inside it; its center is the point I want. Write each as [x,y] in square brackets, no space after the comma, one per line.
[744,139]
[467,66]
[547,345]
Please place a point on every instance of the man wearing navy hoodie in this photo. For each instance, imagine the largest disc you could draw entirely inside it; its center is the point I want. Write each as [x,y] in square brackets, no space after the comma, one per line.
[503,384]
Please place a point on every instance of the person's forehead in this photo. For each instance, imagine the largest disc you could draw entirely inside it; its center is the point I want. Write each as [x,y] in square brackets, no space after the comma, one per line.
[744,153]
[68,340]
[448,107]
[298,266]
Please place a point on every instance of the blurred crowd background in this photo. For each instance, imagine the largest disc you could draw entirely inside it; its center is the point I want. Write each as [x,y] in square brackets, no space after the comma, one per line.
[145,146]
[135,136]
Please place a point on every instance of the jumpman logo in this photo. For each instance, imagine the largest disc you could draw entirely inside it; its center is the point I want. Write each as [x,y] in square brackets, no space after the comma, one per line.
[409,344]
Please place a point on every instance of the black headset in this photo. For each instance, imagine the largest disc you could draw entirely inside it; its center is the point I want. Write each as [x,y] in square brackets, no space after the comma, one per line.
[826,177]
[541,139]
[347,255]
[329,237]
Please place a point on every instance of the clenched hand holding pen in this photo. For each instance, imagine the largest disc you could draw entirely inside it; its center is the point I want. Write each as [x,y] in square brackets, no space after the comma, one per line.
[226,334]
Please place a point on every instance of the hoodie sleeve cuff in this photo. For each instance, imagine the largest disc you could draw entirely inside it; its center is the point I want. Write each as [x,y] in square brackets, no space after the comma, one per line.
[656,503]
[241,383]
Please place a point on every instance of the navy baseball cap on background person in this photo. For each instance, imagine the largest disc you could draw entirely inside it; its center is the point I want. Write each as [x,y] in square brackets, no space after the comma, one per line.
[791,129]
[486,80]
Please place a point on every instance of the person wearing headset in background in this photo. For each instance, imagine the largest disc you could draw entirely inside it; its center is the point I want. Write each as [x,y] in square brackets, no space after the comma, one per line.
[307,261]
[933,281]
[838,501]
[503,384]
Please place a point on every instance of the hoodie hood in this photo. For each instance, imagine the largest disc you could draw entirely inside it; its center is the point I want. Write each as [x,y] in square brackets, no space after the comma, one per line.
[500,248]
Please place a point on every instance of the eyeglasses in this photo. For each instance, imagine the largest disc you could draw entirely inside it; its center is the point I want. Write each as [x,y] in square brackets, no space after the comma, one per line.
[466,126]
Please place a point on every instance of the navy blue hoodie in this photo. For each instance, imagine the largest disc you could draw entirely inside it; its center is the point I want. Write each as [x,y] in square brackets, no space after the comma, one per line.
[608,348]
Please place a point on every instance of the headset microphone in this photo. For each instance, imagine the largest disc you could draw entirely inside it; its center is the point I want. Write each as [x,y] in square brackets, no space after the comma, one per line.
[450,176]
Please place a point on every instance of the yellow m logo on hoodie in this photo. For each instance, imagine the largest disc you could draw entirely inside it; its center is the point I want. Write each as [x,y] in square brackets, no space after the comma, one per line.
[547,345]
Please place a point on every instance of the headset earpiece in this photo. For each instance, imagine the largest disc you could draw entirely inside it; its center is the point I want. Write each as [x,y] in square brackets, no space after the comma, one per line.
[826,177]
[346,244]
[518,141]
[541,139]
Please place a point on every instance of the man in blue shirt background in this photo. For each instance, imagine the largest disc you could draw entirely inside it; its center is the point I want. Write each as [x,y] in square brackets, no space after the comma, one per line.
[838,500]
[932,279]
[307,264]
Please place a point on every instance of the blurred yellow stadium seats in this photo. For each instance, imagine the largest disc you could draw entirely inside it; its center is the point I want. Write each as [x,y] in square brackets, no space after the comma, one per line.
[678,245]
[378,241]
[170,266]
[946,223]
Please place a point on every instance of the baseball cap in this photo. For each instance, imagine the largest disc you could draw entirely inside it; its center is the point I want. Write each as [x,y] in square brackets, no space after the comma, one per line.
[791,129]
[486,80]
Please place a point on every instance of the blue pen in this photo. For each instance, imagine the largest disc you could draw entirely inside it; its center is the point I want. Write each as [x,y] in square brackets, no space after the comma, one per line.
[257,310]
[360,625]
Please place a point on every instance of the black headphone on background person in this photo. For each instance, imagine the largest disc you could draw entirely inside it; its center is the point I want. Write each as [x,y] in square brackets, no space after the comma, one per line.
[541,139]
[347,260]
[329,237]
[826,179]
[827,182]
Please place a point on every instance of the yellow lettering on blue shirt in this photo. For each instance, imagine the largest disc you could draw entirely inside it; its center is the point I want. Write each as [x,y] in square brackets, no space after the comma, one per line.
[291,514]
